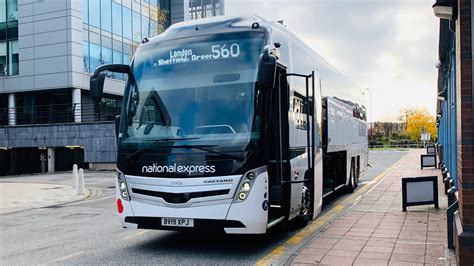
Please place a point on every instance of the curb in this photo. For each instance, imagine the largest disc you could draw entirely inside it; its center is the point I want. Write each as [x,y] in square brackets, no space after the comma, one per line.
[282,254]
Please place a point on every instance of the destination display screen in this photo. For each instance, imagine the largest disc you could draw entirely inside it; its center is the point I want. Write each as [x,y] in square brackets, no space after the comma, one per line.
[242,50]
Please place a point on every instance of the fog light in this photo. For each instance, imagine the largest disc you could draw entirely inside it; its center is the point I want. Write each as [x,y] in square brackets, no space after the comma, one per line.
[124,194]
[242,195]
[246,187]
[251,176]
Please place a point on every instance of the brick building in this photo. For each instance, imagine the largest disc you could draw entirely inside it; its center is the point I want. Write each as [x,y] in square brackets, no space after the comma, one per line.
[455,109]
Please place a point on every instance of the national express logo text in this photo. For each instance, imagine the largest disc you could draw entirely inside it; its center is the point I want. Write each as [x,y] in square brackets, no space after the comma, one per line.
[179,169]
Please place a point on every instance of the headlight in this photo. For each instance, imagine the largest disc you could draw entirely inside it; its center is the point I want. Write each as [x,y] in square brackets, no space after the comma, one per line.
[245,186]
[122,185]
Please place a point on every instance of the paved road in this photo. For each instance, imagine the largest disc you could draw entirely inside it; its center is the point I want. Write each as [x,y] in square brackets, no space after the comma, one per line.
[88,232]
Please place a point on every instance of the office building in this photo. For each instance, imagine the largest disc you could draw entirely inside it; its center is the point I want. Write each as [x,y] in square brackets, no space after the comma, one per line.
[47,51]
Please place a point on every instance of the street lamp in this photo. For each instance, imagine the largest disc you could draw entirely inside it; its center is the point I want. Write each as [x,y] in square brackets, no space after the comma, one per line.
[443,9]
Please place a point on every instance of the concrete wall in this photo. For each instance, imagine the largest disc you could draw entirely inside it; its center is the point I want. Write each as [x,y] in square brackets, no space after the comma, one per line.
[98,139]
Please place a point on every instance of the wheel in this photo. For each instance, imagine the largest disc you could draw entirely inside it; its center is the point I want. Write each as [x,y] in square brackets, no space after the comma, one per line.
[306,202]
[353,180]
[306,211]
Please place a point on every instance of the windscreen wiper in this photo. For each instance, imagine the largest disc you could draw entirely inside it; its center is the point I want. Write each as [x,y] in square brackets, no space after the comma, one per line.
[155,142]
[205,148]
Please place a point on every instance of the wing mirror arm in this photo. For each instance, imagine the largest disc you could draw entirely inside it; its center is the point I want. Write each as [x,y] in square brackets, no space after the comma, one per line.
[267,67]
[98,78]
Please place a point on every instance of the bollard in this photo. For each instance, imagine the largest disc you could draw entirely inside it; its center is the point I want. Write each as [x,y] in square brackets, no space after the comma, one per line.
[74,176]
[80,183]
[451,196]
[446,180]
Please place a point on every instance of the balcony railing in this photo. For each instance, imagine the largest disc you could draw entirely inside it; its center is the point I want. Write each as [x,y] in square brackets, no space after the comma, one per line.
[58,114]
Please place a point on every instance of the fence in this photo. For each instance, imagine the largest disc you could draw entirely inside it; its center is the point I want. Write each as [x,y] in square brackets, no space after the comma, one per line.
[58,114]
[401,146]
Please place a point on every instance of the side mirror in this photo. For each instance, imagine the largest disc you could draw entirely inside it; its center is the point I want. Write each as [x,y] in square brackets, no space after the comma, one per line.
[98,78]
[267,67]
[97,87]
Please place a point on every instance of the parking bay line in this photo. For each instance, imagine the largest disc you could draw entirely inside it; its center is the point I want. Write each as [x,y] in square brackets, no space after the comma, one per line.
[66,258]
[139,233]
[301,237]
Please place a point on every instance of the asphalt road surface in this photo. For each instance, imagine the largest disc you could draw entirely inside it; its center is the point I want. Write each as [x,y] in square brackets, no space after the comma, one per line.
[88,232]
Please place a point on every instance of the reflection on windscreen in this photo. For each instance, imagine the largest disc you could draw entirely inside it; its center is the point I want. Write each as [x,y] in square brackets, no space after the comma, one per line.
[190,112]
[201,89]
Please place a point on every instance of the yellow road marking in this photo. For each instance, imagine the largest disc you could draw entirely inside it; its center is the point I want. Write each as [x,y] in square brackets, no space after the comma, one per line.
[305,233]
[66,257]
[139,233]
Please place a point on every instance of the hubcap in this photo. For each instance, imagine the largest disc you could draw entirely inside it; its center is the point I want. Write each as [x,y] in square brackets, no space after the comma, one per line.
[306,201]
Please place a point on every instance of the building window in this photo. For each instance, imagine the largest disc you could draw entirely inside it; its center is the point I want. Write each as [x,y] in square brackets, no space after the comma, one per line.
[94,13]
[8,14]
[12,10]
[205,8]
[85,59]
[117,19]
[9,58]
[3,58]
[106,15]
[85,12]
[95,56]
[127,23]
[137,29]
[114,28]
[12,58]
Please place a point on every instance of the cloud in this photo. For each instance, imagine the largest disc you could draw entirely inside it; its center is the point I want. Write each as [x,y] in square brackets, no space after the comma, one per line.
[389,46]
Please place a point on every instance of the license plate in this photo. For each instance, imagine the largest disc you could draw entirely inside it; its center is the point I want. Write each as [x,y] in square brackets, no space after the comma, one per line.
[179,222]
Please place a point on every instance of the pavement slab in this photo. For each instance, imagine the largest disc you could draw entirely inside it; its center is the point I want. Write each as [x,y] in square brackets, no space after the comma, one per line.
[16,197]
[375,230]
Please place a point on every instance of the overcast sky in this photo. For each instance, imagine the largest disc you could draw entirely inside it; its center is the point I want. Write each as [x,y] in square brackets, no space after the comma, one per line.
[389,46]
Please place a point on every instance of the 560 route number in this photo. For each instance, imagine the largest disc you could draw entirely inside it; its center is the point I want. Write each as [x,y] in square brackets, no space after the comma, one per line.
[224,51]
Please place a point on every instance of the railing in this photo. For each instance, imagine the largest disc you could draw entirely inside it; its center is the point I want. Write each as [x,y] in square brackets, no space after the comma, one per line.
[398,146]
[58,114]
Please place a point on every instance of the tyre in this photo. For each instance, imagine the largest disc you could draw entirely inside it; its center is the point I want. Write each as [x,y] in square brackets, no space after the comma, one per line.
[353,183]
[306,212]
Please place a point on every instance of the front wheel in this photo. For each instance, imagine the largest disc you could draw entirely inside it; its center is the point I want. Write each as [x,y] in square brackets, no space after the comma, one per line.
[354,180]
[306,211]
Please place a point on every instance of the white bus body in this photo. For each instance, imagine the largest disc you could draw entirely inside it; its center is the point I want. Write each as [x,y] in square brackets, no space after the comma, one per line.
[306,159]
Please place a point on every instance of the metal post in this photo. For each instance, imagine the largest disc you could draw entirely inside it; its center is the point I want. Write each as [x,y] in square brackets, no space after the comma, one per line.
[450,223]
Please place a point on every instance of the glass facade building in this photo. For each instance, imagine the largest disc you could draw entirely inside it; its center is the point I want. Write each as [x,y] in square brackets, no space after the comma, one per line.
[62,42]
[205,8]
[8,37]
[114,28]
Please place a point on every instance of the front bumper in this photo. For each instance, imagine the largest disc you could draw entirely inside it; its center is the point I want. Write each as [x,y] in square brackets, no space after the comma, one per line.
[210,214]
